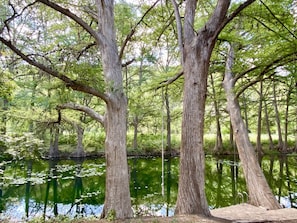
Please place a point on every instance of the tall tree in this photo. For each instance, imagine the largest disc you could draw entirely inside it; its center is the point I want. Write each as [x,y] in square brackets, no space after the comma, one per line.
[197,50]
[260,193]
[117,195]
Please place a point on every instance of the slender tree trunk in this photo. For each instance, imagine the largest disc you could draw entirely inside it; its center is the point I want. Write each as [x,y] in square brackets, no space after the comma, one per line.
[79,152]
[219,141]
[168,121]
[135,135]
[285,146]
[54,142]
[259,124]
[260,193]
[245,112]
[231,138]
[277,118]
[268,126]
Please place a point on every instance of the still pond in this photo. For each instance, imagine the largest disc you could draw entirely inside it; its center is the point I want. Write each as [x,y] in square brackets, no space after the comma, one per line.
[75,188]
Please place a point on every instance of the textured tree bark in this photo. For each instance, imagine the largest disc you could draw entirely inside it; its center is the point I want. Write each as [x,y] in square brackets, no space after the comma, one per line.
[191,194]
[259,191]
[117,191]
[198,47]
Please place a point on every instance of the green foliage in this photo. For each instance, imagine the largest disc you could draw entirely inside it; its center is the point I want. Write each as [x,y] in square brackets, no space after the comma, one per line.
[7,86]
[25,146]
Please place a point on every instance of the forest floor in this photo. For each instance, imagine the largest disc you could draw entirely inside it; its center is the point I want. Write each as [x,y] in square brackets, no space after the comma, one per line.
[242,213]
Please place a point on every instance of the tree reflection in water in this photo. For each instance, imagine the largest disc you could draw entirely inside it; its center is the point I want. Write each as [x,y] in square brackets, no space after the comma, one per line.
[76,187]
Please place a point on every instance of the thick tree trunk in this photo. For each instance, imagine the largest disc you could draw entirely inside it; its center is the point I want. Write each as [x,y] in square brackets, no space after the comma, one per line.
[117,202]
[117,193]
[260,193]
[191,194]
[191,198]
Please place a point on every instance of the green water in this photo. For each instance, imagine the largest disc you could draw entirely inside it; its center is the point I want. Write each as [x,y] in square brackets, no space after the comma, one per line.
[76,188]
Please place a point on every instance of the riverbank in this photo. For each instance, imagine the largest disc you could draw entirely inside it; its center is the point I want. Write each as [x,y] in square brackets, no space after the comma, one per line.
[241,213]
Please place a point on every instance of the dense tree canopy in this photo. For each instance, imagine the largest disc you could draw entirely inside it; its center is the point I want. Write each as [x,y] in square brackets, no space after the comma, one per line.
[112,76]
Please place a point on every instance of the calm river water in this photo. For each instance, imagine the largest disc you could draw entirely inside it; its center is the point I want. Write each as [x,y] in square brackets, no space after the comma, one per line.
[39,188]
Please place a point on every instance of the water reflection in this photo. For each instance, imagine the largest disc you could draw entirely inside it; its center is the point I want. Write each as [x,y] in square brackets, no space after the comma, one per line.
[37,188]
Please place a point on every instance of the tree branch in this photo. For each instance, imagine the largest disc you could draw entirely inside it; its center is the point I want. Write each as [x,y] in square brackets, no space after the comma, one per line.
[68,13]
[133,30]
[15,15]
[179,30]
[170,80]
[236,12]
[68,82]
[279,62]
[89,111]
[268,68]
[277,19]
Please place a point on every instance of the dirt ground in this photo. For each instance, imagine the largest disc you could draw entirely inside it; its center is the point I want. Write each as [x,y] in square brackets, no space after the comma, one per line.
[242,213]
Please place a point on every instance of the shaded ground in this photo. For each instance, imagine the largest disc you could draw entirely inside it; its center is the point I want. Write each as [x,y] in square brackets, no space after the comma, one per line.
[249,213]
[242,213]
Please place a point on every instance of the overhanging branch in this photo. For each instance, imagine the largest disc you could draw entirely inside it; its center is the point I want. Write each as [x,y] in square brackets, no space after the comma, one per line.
[67,81]
[89,111]
[68,13]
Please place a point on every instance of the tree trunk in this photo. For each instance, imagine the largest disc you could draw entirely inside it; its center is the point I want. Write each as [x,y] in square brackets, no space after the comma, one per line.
[259,124]
[54,142]
[79,152]
[117,202]
[191,194]
[117,192]
[277,119]
[191,198]
[245,112]
[168,121]
[135,134]
[260,193]
[219,141]
[285,146]
[268,126]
